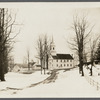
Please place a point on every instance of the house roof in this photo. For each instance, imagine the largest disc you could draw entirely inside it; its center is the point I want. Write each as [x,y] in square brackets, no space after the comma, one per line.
[62,56]
[38,65]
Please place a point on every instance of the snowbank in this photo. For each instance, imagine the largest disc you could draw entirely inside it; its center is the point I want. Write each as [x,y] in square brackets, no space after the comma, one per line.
[17,80]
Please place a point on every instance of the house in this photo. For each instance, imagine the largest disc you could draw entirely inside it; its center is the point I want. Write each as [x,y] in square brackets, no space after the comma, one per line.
[17,68]
[37,67]
[59,61]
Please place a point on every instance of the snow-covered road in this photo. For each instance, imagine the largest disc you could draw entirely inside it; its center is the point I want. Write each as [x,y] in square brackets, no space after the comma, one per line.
[68,84]
[17,81]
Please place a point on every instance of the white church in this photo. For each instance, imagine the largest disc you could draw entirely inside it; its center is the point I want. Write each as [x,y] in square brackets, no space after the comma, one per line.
[59,61]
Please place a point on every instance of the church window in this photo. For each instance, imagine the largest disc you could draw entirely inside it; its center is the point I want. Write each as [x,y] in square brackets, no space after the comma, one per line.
[67,64]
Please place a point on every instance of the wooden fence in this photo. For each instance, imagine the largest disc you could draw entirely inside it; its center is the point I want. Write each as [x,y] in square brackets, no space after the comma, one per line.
[92,82]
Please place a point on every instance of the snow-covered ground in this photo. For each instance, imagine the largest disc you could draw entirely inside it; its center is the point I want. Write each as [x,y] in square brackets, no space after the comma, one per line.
[68,84]
[19,81]
[95,72]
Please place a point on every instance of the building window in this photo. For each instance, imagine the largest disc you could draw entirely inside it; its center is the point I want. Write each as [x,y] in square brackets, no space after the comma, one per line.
[67,64]
[57,60]
[57,65]
[64,65]
[61,60]
[53,48]
[64,60]
[70,64]
[67,60]
[61,65]
[70,60]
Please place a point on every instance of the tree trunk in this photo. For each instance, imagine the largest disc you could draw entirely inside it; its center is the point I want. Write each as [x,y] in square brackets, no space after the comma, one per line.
[81,63]
[44,65]
[82,68]
[91,72]
[2,69]
[82,71]
[47,61]
[41,65]
[2,76]
[28,66]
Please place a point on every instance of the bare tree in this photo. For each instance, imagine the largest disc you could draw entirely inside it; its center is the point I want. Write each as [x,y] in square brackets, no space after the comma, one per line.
[97,54]
[93,45]
[80,27]
[7,23]
[28,58]
[40,50]
[43,49]
[46,51]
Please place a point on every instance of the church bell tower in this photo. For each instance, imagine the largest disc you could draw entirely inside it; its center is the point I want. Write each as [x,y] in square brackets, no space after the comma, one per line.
[52,48]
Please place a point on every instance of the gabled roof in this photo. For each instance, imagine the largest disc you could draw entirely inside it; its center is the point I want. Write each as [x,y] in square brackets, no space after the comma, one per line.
[62,56]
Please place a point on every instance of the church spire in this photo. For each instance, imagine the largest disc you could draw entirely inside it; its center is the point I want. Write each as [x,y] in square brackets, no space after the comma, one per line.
[53,51]
[52,39]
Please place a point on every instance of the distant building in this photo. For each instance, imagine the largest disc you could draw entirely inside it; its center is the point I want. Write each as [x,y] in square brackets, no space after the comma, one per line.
[17,68]
[59,61]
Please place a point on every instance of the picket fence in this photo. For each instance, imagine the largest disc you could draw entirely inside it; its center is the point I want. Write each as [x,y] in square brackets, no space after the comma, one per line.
[92,82]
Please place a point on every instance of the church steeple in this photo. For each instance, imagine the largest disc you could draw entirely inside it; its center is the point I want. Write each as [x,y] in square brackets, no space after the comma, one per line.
[52,39]
[52,45]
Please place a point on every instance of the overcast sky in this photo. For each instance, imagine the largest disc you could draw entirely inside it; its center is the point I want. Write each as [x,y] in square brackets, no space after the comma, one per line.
[50,18]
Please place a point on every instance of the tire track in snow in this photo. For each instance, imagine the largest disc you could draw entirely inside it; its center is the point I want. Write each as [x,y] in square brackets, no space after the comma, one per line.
[51,78]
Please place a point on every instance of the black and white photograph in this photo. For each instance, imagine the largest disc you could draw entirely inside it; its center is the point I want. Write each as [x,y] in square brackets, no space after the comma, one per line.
[50,50]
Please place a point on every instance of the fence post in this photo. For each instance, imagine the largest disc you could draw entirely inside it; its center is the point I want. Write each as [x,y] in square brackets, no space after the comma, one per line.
[93,82]
[97,86]
[90,80]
